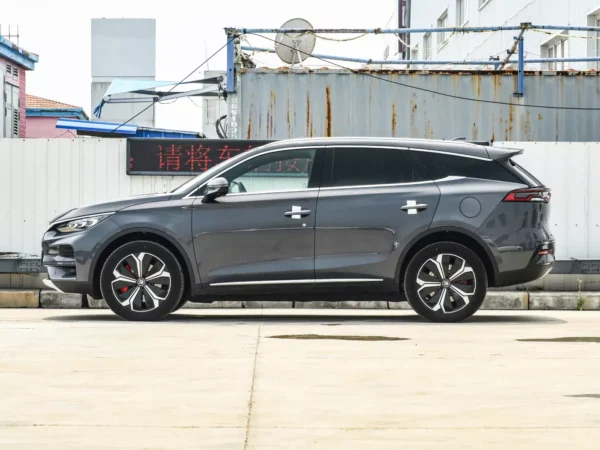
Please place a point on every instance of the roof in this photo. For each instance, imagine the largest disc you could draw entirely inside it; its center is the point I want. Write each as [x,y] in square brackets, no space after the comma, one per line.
[457,147]
[44,107]
[118,130]
[16,54]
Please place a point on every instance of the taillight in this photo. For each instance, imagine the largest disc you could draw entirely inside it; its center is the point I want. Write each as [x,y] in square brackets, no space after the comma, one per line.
[536,195]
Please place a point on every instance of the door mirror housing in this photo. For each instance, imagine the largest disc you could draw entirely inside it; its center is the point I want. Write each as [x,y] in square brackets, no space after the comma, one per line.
[217,187]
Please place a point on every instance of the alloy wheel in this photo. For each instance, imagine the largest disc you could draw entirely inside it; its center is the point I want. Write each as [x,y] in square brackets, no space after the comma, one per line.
[141,282]
[445,283]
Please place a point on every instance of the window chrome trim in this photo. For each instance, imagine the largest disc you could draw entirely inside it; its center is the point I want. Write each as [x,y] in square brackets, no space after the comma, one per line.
[310,147]
[367,186]
[308,281]
[415,183]
[271,192]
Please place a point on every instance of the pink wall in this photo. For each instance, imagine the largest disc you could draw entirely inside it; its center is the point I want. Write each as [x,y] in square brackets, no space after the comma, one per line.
[22,102]
[45,127]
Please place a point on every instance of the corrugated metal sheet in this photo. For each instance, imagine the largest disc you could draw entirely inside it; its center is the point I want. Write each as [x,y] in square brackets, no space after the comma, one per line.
[301,103]
[43,177]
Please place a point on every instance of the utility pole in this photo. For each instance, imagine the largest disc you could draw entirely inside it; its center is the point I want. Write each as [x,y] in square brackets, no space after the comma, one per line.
[401,46]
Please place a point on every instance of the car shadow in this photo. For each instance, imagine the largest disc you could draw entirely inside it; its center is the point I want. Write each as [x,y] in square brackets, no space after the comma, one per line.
[272,317]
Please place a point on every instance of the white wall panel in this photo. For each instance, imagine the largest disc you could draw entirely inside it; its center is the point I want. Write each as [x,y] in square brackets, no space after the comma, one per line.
[569,169]
[42,178]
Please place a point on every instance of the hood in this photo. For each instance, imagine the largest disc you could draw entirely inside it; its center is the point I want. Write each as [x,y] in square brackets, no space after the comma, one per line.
[111,206]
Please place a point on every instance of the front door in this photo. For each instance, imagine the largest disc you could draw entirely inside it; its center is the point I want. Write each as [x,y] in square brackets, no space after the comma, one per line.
[372,202]
[262,231]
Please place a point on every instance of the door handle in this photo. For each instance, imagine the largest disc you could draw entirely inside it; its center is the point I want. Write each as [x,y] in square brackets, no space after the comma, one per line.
[297,212]
[413,207]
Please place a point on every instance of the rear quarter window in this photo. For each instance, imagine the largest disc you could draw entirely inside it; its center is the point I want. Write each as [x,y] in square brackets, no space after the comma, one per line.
[441,166]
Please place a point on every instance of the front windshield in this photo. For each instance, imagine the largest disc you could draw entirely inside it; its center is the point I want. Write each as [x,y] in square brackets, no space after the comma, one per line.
[210,173]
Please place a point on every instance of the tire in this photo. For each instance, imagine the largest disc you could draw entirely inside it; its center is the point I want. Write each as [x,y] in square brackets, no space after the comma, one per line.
[131,294]
[181,304]
[453,297]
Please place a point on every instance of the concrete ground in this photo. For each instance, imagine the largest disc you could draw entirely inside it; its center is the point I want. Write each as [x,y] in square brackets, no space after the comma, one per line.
[219,379]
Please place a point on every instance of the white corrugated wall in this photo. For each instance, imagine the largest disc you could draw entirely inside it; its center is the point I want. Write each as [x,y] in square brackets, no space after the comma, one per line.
[40,178]
[571,170]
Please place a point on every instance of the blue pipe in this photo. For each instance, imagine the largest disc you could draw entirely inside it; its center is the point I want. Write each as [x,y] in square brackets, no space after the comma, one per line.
[230,63]
[426,62]
[525,26]
[372,30]
[377,61]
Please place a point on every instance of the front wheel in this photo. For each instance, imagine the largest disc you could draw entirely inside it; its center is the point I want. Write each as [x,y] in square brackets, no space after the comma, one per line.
[142,280]
[445,282]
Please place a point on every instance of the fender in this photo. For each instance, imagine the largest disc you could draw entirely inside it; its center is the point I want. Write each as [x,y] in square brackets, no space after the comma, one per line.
[487,247]
[193,274]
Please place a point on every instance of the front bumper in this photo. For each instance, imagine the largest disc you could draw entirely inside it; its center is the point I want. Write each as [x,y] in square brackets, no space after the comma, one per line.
[539,266]
[69,257]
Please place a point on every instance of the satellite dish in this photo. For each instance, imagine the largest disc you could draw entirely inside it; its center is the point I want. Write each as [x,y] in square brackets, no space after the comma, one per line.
[293,48]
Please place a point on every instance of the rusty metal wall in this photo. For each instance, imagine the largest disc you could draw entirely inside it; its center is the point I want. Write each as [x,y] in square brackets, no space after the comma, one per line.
[285,103]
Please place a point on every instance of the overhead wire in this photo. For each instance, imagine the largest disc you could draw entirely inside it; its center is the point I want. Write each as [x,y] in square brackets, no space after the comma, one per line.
[431,91]
[157,100]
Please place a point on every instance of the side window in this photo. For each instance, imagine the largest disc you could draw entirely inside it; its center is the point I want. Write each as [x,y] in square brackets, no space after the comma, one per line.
[286,170]
[441,166]
[356,166]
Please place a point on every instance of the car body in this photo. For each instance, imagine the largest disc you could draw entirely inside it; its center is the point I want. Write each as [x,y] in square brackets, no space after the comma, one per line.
[334,218]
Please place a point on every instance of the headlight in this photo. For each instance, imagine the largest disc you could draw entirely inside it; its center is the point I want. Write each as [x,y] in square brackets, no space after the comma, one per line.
[82,223]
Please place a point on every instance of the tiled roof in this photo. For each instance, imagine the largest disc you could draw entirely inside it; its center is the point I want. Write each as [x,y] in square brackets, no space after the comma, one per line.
[33,101]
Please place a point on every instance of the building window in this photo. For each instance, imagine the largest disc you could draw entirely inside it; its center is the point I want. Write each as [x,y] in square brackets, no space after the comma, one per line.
[556,47]
[482,3]
[414,53]
[15,71]
[461,12]
[442,22]
[8,69]
[427,50]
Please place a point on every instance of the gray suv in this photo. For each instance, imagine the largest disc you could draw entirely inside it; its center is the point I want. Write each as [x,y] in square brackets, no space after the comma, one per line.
[434,223]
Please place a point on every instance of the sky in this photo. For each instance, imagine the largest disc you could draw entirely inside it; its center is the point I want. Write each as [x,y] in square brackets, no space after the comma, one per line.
[186,33]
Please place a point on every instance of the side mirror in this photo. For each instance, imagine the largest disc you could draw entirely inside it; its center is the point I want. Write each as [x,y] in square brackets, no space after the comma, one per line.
[217,187]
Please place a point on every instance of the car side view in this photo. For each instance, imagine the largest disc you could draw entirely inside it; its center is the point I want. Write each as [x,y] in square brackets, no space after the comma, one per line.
[434,223]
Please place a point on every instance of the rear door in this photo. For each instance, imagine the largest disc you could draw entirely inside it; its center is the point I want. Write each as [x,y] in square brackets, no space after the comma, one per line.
[372,202]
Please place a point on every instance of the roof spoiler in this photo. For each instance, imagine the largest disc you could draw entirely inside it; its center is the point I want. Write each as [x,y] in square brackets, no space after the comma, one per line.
[498,153]
[464,139]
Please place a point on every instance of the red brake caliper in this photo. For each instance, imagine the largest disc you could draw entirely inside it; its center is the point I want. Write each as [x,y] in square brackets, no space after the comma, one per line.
[126,288]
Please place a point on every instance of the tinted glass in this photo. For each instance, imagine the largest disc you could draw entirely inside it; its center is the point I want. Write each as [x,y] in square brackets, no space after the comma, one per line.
[441,166]
[288,170]
[527,176]
[370,166]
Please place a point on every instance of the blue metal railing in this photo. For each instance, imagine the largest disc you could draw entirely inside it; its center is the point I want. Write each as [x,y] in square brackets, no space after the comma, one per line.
[521,61]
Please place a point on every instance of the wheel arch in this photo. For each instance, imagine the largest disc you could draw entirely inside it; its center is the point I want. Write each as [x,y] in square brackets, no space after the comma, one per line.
[146,235]
[452,234]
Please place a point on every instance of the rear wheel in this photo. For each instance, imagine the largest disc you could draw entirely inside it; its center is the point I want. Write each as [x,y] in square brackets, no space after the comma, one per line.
[142,280]
[445,282]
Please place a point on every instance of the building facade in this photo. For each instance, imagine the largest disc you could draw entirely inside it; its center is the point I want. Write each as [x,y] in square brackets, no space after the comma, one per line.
[482,46]
[14,64]
[125,49]
[42,115]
